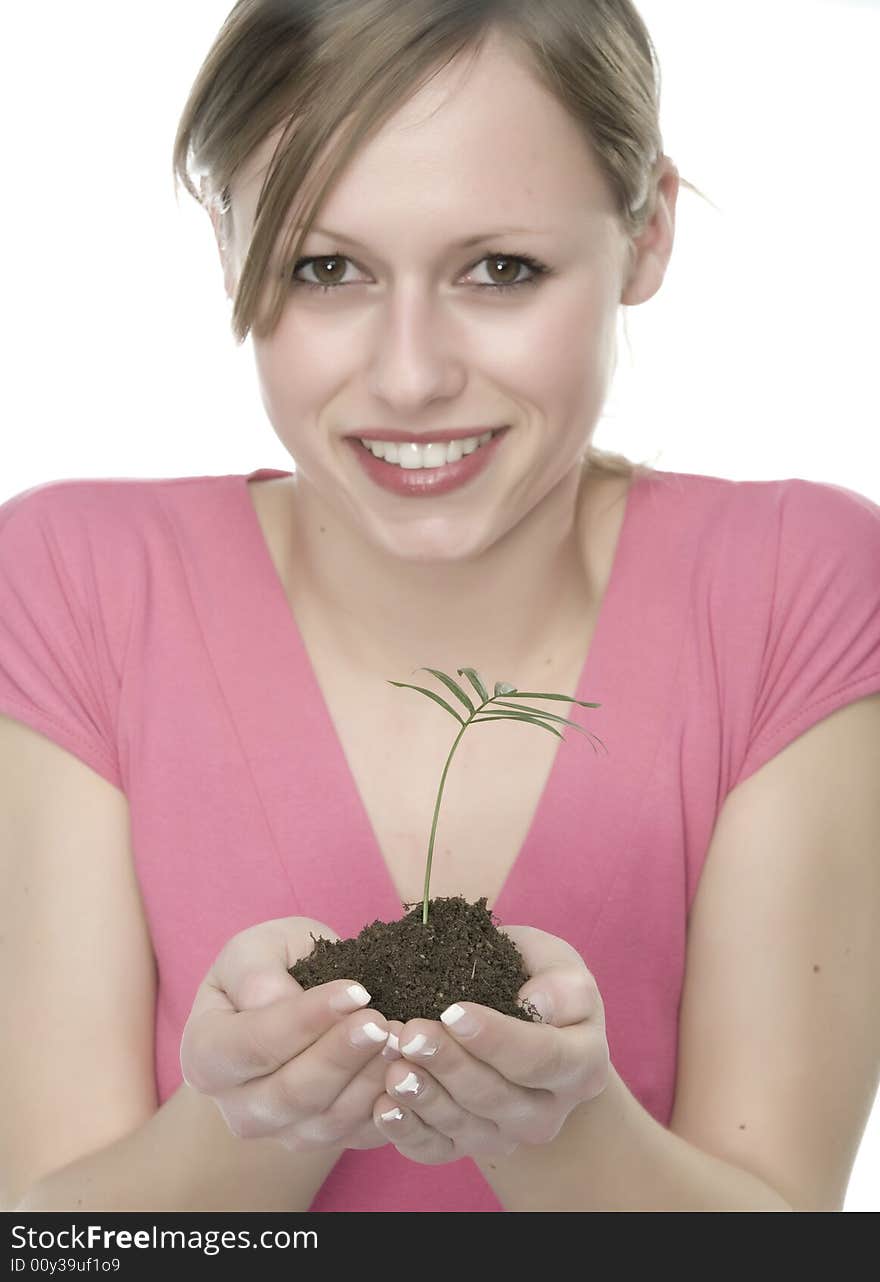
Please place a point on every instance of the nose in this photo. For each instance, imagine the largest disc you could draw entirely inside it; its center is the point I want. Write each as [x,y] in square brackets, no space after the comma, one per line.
[414,355]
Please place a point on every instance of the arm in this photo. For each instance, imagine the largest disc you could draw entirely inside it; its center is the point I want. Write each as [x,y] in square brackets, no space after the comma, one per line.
[185,1158]
[79,1122]
[779,1039]
[612,1155]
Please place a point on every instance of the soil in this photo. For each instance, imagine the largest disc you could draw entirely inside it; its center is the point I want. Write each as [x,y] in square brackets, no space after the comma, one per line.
[414,970]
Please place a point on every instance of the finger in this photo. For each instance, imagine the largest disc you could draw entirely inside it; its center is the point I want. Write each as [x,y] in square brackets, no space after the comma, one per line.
[412,1137]
[355,1100]
[252,968]
[523,1112]
[418,1090]
[391,1049]
[308,1084]
[562,995]
[538,1056]
[348,1120]
[223,1047]
[540,949]
[558,973]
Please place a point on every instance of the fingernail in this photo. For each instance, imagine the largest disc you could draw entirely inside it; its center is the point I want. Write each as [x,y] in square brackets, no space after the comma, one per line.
[368,1035]
[543,1004]
[352,998]
[409,1086]
[391,1049]
[460,1021]
[420,1045]
[393,1115]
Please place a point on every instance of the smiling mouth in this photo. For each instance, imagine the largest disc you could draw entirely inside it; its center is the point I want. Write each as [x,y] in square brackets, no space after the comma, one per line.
[432,471]
[415,454]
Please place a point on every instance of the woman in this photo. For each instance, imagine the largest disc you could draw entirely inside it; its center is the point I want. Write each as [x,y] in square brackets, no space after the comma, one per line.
[212,657]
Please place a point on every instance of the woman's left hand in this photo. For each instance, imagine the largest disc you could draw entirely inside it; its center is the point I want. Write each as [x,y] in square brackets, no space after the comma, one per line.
[489,1082]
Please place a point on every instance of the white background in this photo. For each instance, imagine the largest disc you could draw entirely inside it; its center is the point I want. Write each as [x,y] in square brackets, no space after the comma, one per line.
[756,359]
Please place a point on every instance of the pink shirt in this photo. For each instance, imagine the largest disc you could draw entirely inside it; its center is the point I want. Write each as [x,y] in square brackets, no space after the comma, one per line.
[143,628]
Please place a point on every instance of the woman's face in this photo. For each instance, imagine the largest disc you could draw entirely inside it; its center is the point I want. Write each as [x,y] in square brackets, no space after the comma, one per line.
[417,337]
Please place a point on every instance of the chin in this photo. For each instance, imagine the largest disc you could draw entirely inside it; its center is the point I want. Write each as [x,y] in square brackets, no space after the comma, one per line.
[445,543]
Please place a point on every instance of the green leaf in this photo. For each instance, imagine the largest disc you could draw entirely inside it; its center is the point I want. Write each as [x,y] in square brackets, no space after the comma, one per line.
[476,682]
[431,695]
[530,694]
[450,685]
[519,716]
[504,687]
[550,716]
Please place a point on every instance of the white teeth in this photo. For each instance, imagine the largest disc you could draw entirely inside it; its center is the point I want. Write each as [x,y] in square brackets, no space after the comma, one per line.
[410,455]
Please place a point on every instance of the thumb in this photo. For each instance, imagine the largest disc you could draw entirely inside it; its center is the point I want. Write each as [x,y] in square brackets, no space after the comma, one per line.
[560,985]
[263,987]
[562,995]
[252,969]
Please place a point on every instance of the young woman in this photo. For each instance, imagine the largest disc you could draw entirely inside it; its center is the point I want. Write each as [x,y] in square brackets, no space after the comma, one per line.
[428,216]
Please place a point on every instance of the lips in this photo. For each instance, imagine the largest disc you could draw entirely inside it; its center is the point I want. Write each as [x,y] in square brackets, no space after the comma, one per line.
[427,482]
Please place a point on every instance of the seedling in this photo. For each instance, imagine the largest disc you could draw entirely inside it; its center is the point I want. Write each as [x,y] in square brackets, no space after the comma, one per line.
[500,710]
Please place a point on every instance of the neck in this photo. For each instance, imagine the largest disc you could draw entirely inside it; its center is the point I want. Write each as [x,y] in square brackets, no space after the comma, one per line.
[502,611]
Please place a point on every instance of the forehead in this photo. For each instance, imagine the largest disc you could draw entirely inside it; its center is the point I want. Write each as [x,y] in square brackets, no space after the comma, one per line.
[482,139]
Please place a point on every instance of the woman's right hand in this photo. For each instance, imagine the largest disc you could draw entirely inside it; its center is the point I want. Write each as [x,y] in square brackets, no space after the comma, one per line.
[281,1061]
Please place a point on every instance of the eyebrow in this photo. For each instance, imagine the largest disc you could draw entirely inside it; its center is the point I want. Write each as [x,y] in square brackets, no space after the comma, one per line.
[458,244]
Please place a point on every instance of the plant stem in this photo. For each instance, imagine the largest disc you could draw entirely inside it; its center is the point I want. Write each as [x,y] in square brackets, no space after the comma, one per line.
[437,809]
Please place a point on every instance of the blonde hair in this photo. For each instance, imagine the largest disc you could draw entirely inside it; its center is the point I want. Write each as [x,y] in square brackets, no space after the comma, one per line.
[324,68]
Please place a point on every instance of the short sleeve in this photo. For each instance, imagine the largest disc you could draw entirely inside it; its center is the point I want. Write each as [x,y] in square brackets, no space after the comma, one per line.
[55,672]
[821,649]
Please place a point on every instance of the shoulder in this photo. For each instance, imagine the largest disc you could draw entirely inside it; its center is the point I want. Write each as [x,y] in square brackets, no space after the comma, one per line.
[778,498]
[76,501]
[67,526]
[86,545]
[761,545]
[99,514]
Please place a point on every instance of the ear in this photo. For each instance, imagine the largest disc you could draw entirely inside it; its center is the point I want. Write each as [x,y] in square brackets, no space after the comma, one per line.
[652,250]
[224,250]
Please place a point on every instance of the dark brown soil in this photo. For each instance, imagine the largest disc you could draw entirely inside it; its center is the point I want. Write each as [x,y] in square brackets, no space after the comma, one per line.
[414,970]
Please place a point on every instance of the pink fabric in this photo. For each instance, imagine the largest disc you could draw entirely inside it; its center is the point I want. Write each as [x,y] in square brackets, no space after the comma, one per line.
[144,629]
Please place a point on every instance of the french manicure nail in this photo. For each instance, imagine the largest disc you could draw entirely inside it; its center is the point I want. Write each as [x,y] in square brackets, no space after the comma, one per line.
[419,1045]
[368,1035]
[352,998]
[460,1020]
[409,1086]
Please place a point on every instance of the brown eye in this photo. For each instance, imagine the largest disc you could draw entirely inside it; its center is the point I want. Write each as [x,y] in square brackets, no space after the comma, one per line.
[513,266]
[331,277]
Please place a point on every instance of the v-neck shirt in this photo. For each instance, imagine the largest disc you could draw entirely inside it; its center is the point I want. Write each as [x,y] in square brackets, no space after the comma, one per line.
[144,628]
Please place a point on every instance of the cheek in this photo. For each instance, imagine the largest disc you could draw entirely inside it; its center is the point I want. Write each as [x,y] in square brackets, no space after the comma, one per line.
[297,372]
[563,358]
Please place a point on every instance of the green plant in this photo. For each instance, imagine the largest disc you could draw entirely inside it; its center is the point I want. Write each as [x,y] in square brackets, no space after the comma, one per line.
[512,711]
